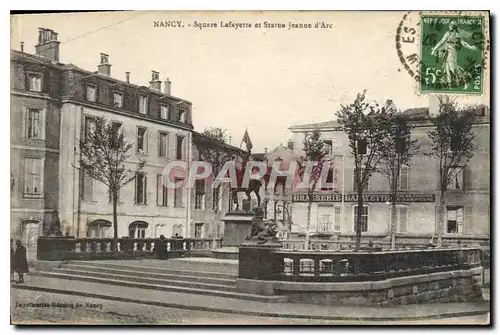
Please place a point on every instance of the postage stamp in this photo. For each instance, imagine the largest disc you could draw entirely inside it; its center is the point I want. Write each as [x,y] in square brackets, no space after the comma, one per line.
[452,54]
[445,52]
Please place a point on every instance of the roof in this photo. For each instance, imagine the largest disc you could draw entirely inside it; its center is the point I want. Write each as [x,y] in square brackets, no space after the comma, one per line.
[326,124]
[16,55]
[200,138]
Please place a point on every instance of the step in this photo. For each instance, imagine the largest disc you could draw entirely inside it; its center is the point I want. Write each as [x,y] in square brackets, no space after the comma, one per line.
[165,275]
[159,270]
[145,278]
[178,289]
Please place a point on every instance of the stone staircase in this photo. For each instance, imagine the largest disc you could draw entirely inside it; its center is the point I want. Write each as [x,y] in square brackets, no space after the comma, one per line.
[169,278]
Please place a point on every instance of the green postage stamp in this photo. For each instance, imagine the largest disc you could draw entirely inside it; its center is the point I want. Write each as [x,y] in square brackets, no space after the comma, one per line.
[452,50]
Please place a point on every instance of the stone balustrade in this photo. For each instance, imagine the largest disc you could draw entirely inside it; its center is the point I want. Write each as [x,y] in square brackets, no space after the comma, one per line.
[63,248]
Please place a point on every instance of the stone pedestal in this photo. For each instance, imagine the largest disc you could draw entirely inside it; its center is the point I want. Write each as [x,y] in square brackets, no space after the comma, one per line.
[237,227]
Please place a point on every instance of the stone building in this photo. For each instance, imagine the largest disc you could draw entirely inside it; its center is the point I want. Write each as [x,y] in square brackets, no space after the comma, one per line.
[35,143]
[54,106]
[333,210]
[209,205]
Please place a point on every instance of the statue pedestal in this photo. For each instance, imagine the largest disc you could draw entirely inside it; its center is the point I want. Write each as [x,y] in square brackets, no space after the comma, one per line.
[237,227]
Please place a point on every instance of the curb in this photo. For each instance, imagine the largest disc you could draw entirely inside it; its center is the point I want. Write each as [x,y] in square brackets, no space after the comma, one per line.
[251,313]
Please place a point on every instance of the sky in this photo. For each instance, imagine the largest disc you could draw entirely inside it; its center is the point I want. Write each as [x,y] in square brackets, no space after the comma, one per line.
[264,80]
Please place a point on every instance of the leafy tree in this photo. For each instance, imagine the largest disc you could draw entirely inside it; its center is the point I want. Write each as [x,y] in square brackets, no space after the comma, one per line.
[452,145]
[367,126]
[397,151]
[104,152]
[309,170]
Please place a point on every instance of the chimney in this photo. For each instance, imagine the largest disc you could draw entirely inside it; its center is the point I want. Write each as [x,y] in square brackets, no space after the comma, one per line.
[167,86]
[48,45]
[155,83]
[127,77]
[290,144]
[104,67]
[22,46]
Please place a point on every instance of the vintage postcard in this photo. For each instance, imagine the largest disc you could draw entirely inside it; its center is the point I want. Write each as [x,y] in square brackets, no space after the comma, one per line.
[250,168]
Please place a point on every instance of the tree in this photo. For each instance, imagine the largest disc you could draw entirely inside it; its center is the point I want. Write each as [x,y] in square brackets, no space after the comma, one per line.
[104,153]
[367,126]
[309,170]
[452,145]
[397,151]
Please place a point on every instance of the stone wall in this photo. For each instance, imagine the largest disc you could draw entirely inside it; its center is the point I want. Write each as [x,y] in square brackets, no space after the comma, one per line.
[449,286]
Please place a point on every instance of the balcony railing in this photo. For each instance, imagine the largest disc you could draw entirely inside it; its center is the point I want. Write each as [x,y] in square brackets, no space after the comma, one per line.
[62,248]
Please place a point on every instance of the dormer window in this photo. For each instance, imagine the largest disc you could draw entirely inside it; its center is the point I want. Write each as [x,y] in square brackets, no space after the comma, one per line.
[143,104]
[117,100]
[164,112]
[91,93]
[34,82]
[182,116]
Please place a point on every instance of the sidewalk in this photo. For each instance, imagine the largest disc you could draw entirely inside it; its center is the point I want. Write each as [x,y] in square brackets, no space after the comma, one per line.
[254,308]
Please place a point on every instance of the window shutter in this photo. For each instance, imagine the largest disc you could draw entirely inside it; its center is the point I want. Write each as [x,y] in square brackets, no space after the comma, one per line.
[158,189]
[468,174]
[135,188]
[468,223]
[145,189]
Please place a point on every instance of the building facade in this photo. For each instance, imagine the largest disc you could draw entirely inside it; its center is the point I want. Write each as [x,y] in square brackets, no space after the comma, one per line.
[35,143]
[54,105]
[334,210]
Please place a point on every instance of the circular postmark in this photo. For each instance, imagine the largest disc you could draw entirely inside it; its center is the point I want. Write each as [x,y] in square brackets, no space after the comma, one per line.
[445,52]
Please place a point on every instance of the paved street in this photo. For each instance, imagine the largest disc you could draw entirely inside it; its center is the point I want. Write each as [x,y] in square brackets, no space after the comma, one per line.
[70,309]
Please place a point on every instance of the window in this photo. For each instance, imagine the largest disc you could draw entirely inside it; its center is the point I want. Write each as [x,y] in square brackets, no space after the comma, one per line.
[216,199]
[328,147]
[178,193]
[329,183]
[199,202]
[198,229]
[161,192]
[338,219]
[91,93]
[180,140]
[142,140]
[402,213]
[34,82]
[162,144]
[164,112]
[89,125]
[98,229]
[182,116]
[87,191]
[404,183]
[117,100]
[137,229]
[140,188]
[325,219]
[177,230]
[143,104]
[364,217]
[456,179]
[455,220]
[33,177]
[33,123]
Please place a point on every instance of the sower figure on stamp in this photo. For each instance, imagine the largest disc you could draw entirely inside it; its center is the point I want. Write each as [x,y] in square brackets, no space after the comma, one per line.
[20,260]
[447,50]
